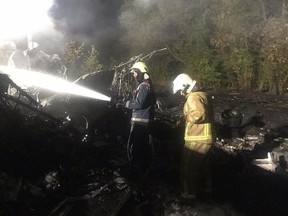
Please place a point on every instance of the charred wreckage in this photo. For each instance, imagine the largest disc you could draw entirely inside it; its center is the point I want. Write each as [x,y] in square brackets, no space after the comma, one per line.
[66,154]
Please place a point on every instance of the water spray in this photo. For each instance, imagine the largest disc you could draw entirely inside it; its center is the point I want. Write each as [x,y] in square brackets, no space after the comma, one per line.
[27,78]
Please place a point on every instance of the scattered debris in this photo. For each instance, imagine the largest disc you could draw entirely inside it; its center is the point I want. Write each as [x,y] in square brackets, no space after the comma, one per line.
[68,157]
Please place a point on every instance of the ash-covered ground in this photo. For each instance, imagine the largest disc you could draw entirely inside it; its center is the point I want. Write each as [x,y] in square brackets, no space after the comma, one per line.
[79,167]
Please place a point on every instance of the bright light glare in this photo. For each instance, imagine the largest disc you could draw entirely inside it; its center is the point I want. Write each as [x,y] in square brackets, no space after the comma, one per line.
[26,78]
[21,17]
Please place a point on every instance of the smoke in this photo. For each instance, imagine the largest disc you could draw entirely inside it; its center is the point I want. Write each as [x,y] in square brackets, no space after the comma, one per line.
[50,40]
[21,21]
[94,21]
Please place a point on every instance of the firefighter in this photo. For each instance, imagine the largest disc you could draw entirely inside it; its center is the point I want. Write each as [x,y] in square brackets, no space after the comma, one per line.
[19,58]
[198,136]
[139,144]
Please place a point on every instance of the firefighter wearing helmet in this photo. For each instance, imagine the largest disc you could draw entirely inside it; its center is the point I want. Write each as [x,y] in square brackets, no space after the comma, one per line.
[139,145]
[198,137]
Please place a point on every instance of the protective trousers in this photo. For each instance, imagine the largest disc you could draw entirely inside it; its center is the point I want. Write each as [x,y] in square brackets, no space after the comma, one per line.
[195,170]
[140,149]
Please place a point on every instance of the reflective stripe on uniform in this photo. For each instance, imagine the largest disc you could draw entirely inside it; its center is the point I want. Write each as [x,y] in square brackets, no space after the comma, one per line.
[206,135]
[140,120]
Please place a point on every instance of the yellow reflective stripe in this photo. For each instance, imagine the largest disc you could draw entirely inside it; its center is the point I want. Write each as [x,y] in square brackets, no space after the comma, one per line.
[197,138]
[207,135]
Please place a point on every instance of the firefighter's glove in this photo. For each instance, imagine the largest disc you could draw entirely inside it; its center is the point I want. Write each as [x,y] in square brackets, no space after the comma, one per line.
[127,104]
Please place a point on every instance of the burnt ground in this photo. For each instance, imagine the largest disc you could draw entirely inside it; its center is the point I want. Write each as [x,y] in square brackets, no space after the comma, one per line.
[239,187]
[47,169]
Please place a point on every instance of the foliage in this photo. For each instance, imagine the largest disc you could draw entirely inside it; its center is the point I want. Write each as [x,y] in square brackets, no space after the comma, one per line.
[242,64]
[207,73]
[221,43]
[181,26]
[274,53]
[73,58]
[91,62]
[236,42]
[163,67]
[80,62]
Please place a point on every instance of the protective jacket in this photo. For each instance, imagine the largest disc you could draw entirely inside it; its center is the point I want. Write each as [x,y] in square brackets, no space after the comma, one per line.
[142,103]
[139,145]
[198,111]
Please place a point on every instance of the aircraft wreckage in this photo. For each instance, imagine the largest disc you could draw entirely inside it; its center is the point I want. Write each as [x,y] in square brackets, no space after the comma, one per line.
[66,154]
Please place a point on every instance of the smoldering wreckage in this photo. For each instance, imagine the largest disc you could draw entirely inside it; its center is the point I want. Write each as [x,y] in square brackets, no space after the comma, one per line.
[66,154]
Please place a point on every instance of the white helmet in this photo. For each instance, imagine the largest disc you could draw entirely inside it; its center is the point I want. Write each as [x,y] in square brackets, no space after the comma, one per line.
[32,45]
[141,66]
[183,81]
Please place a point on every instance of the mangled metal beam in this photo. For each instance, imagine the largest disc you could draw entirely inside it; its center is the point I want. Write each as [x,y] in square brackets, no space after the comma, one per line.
[23,98]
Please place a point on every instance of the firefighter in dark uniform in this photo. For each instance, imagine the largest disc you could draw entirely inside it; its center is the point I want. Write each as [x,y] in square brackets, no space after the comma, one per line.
[139,146]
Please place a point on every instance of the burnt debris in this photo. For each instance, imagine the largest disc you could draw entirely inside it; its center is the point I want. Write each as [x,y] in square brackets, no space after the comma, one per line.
[66,155]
